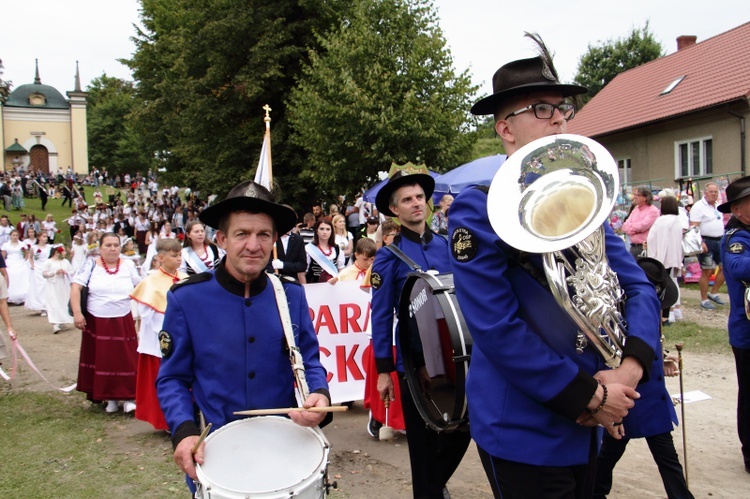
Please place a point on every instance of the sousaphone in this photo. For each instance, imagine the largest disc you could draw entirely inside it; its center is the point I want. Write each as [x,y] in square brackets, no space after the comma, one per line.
[563,188]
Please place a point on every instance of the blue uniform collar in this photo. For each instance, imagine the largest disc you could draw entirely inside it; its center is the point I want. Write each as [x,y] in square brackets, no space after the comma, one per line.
[236,287]
[414,237]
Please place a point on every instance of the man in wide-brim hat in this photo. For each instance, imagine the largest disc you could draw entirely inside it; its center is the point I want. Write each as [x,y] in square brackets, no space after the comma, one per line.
[433,456]
[530,392]
[222,341]
[735,257]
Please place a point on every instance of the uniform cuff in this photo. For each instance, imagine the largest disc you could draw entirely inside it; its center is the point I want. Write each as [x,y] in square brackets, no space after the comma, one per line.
[572,400]
[636,347]
[385,365]
[186,429]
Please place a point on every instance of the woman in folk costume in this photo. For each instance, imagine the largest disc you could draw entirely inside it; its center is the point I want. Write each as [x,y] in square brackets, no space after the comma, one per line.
[38,254]
[14,252]
[151,297]
[198,255]
[57,271]
[324,258]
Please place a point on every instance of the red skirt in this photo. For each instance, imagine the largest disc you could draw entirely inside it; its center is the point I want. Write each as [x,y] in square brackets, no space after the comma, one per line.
[147,404]
[372,398]
[109,359]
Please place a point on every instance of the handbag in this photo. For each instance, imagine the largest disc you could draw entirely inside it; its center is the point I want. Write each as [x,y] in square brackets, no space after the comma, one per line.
[84,293]
[692,242]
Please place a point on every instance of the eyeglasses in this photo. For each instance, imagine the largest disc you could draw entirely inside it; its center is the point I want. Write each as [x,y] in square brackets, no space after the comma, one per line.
[544,110]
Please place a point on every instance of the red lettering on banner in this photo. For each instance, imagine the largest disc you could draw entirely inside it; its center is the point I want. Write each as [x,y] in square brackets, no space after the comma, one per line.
[346,363]
[367,316]
[326,353]
[349,320]
[325,319]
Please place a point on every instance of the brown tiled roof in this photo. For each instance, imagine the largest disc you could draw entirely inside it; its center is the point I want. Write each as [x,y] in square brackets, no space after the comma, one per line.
[716,71]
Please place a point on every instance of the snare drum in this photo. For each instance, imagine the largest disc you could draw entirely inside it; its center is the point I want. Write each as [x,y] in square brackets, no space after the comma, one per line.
[264,457]
[434,336]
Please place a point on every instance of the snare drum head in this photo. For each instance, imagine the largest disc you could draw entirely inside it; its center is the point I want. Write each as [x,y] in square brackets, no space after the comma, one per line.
[261,455]
[433,335]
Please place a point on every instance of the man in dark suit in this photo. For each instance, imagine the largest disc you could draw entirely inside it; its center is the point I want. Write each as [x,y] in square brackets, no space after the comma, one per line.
[291,259]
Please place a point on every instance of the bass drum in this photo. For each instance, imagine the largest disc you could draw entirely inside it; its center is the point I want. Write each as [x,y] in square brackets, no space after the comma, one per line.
[436,349]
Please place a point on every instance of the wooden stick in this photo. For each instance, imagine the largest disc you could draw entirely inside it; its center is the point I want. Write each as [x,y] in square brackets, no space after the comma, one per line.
[287,410]
[679,346]
[204,433]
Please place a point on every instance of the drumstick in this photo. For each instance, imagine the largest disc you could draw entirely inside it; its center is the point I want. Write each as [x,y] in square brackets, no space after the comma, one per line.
[202,437]
[287,410]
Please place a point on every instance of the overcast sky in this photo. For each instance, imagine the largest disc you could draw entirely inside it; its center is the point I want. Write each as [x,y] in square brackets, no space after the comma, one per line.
[482,34]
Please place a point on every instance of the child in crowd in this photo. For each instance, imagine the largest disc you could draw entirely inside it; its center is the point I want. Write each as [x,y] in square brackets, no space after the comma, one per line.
[364,255]
[57,271]
[151,296]
[78,252]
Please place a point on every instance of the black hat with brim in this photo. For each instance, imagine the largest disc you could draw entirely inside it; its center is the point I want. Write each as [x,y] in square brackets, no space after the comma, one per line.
[520,77]
[657,275]
[399,179]
[254,198]
[737,190]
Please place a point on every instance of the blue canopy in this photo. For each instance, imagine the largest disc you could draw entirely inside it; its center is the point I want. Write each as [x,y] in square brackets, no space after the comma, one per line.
[478,172]
[372,192]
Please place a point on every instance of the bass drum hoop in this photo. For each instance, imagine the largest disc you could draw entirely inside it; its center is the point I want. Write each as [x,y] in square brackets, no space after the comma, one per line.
[461,342]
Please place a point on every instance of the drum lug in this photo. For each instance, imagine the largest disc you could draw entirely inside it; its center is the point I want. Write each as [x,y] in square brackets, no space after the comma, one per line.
[327,485]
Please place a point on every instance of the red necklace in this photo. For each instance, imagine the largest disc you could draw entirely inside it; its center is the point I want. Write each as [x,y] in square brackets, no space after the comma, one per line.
[106,269]
[174,276]
[205,250]
[330,250]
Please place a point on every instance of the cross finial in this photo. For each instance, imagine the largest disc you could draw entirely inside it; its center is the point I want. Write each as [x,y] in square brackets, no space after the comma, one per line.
[268,110]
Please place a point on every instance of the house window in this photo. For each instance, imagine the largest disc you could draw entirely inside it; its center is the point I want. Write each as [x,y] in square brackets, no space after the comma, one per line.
[694,158]
[623,166]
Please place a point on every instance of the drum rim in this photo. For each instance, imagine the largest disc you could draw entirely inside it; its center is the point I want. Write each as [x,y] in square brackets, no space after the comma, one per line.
[460,337]
[318,473]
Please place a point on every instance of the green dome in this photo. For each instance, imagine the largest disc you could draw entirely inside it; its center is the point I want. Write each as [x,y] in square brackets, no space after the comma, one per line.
[53,99]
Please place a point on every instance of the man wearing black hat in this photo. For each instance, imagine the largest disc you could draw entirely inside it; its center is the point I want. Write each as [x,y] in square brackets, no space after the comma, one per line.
[735,256]
[223,341]
[433,457]
[534,401]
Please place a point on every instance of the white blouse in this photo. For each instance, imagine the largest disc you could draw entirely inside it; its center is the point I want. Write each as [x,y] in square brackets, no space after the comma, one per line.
[109,295]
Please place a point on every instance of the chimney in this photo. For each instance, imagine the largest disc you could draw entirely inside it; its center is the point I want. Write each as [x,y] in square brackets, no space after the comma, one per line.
[685,41]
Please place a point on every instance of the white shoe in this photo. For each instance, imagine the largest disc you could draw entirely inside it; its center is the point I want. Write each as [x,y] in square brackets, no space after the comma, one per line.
[112,406]
[43,314]
[677,314]
[56,329]
[128,406]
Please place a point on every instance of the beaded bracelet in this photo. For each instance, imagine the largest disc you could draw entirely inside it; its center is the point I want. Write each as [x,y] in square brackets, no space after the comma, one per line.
[604,401]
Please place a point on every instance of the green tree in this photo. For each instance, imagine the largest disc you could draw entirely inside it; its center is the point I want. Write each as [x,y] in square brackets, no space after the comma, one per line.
[112,141]
[382,90]
[601,63]
[206,69]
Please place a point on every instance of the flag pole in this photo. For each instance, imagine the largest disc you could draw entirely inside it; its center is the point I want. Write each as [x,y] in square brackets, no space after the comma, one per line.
[264,172]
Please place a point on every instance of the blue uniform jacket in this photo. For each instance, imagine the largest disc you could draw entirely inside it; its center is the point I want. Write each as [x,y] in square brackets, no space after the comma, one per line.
[388,277]
[654,412]
[229,353]
[526,384]
[735,259]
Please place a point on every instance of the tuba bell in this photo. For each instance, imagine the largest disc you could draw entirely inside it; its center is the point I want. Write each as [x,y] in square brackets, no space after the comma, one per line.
[563,188]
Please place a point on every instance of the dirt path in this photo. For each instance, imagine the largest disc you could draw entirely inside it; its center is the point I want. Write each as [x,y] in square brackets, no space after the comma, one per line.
[366,468]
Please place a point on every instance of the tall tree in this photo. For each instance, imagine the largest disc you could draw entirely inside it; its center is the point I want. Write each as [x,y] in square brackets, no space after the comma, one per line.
[382,90]
[112,141]
[205,70]
[601,63]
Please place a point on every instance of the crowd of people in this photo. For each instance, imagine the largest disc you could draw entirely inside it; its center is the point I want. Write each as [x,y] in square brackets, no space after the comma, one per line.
[544,408]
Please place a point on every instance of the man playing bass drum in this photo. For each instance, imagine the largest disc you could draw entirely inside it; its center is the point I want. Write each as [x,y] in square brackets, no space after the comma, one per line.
[534,402]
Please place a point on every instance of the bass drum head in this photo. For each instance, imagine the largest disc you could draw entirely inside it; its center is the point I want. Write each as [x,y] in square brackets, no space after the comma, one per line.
[269,457]
[435,348]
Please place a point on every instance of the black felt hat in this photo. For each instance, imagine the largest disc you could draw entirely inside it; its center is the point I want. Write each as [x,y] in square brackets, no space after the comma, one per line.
[737,190]
[252,197]
[401,178]
[657,275]
[518,77]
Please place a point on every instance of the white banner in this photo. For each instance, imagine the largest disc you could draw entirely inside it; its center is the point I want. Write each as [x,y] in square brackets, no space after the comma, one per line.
[341,316]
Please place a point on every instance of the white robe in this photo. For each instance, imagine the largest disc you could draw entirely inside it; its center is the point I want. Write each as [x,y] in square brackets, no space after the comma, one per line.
[35,298]
[18,272]
[57,290]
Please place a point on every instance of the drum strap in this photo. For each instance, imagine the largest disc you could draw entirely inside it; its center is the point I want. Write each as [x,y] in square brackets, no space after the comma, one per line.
[403,256]
[295,357]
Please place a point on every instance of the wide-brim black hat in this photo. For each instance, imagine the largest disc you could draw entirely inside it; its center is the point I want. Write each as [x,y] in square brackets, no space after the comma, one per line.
[401,178]
[522,76]
[737,190]
[666,289]
[252,197]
